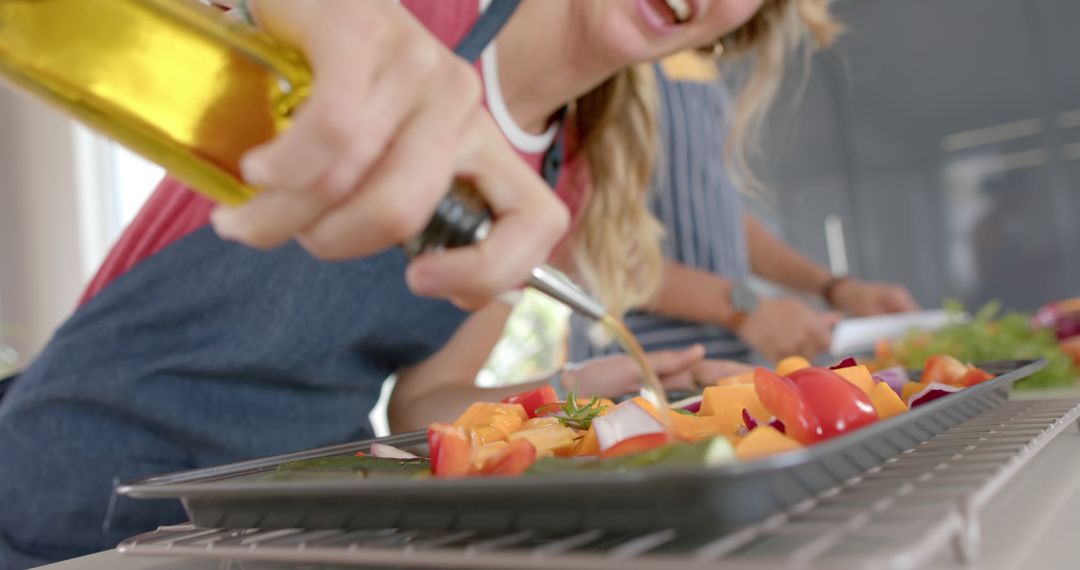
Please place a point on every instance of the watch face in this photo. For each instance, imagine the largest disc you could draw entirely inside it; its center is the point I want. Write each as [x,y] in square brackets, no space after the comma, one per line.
[744,299]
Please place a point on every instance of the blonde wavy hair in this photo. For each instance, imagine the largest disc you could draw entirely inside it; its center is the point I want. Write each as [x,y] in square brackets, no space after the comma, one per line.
[616,244]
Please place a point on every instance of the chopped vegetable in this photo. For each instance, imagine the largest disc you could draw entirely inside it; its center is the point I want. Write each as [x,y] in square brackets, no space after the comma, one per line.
[625,421]
[532,400]
[481,454]
[691,427]
[943,368]
[895,377]
[728,402]
[549,439]
[764,441]
[886,402]
[781,396]
[450,450]
[751,422]
[948,370]
[845,363]
[931,392]
[514,458]
[487,422]
[859,376]
[588,445]
[389,451]
[691,404]
[839,405]
[909,390]
[791,364]
[636,444]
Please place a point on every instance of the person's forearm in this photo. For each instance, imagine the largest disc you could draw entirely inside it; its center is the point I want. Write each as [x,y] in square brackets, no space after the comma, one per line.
[692,294]
[776,261]
[446,403]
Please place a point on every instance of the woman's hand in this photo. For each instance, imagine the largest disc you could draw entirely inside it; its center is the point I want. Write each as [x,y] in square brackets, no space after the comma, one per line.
[618,375]
[393,116]
[864,298]
[708,371]
[780,327]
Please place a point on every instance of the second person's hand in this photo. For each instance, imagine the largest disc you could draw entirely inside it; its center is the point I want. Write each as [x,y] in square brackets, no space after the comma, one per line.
[782,327]
[864,298]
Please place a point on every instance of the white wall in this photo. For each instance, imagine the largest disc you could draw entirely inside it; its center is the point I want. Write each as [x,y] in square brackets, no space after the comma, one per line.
[41,269]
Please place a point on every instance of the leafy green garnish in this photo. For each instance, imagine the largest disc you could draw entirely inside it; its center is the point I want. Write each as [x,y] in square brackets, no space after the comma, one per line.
[683,412]
[991,335]
[577,416]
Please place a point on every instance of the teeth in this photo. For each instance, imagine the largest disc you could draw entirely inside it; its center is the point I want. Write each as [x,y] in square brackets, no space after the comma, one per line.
[681,9]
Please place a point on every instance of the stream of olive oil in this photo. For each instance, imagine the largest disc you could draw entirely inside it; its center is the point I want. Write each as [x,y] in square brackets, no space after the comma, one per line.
[651,388]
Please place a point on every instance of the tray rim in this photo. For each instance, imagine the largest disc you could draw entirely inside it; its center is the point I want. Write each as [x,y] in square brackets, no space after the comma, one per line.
[212,482]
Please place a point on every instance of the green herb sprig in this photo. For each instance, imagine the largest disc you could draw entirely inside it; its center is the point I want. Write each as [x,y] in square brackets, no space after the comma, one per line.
[577,416]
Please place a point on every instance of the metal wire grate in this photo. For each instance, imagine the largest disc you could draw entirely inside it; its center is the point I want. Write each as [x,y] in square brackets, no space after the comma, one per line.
[900,514]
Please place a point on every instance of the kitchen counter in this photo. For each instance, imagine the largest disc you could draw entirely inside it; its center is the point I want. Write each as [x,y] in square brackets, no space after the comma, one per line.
[1031,523]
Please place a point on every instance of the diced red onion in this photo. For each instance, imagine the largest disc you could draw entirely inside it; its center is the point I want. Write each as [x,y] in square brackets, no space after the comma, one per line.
[748,420]
[845,363]
[931,392]
[751,422]
[895,377]
[691,404]
[623,422]
[389,452]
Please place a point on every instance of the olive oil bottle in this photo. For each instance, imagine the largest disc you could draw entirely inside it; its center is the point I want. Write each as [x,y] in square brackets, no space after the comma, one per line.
[176,81]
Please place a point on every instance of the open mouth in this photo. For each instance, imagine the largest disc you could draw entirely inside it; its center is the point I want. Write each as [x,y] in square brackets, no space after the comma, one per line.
[672,12]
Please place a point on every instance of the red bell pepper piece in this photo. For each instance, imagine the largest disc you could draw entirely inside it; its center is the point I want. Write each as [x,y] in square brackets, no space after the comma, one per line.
[943,369]
[974,376]
[782,397]
[637,444]
[532,400]
[514,459]
[450,450]
[839,405]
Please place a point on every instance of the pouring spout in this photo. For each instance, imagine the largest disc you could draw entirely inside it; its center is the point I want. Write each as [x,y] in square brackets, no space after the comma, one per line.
[546,281]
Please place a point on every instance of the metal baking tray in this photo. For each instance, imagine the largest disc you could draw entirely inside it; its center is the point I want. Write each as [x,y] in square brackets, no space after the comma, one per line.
[720,498]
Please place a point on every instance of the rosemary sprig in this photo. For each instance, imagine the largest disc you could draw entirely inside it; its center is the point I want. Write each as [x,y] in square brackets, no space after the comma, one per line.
[579,417]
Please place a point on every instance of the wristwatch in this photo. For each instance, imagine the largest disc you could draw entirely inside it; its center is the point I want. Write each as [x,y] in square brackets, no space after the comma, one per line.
[830,287]
[744,301]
